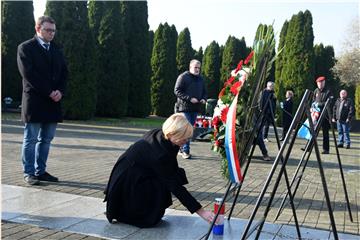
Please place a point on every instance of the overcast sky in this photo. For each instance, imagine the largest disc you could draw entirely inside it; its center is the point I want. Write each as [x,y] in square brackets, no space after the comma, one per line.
[210,20]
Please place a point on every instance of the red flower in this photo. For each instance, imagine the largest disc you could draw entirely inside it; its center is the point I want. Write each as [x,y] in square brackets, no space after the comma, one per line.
[236,87]
[216,122]
[217,143]
[249,57]
[224,114]
[229,81]
[239,66]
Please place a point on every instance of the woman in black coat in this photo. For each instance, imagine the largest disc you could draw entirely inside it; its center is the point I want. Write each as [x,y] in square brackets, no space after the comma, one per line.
[140,185]
[287,113]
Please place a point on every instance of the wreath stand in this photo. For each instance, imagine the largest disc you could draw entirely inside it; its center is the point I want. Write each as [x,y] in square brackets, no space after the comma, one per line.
[303,110]
[252,142]
[305,158]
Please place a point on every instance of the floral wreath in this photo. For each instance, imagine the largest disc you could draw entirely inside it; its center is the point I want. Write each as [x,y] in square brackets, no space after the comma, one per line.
[244,84]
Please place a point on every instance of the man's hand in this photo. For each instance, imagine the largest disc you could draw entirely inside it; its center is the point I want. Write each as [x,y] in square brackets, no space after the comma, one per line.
[194,100]
[333,120]
[56,95]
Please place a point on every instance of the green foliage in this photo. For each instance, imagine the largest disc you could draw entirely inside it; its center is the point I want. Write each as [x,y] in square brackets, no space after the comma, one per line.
[279,63]
[134,15]
[234,50]
[113,83]
[76,38]
[184,51]
[199,55]
[96,11]
[164,72]
[297,70]
[210,69]
[357,102]
[17,26]
[324,62]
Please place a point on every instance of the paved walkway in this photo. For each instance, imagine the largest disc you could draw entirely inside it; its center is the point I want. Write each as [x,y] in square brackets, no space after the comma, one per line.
[82,156]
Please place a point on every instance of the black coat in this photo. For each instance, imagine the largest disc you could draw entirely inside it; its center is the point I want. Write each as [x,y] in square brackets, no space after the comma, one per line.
[347,111]
[287,113]
[42,72]
[141,182]
[189,86]
[265,94]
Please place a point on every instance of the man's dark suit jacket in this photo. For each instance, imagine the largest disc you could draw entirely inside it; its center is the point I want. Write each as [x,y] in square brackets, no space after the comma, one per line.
[42,72]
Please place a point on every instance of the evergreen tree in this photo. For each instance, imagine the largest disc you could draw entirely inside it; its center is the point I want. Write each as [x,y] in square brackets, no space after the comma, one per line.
[298,69]
[184,51]
[211,69]
[279,62]
[164,72]
[135,14]
[96,11]
[234,51]
[76,38]
[151,43]
[17,26]
[113,86]
[324,62]
[199,54]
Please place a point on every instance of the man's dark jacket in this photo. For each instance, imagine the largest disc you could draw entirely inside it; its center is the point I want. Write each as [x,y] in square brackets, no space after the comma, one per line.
[265,95]
[347,111]
[321,96]
[141,182]
[42,72]
[189,86]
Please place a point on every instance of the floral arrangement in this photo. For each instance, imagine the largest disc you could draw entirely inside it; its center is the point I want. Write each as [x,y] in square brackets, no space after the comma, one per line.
[247,80]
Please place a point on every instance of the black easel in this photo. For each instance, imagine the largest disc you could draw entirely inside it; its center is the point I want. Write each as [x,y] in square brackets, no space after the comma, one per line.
[253,142]
[303,110]
[305,157]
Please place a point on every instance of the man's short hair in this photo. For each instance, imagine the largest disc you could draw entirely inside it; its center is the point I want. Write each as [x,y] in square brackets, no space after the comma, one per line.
[194,61]
[43,19]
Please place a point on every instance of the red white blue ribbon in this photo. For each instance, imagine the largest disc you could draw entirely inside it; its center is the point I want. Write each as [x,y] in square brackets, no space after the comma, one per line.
[230,144]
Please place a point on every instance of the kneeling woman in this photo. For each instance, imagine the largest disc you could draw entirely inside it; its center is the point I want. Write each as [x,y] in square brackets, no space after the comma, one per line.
[142,180]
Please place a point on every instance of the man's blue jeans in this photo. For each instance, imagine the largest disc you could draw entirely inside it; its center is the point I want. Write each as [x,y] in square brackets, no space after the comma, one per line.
[344,132]
[191,117]
[36,145]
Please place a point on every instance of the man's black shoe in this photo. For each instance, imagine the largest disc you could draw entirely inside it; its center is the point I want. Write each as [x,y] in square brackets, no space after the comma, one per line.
[325,152]
[340,145]
[348,147]
[47,177]
[31,180]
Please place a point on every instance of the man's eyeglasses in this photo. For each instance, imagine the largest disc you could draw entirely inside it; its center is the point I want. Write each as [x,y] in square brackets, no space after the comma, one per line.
[49,30]
[197,67]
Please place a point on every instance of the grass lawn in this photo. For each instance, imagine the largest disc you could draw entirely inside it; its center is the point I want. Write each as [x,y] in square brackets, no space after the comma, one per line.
[148,122]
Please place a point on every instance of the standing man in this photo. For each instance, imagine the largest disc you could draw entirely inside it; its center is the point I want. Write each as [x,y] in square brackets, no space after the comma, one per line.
[269,112]
[44,73]
[321,94]
[191,93]
[343,112]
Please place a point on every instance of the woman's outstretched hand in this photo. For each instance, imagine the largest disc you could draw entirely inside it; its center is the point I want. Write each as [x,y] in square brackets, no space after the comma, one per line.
[206,215]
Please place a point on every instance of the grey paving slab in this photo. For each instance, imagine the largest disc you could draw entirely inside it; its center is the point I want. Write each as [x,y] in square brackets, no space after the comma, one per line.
[60,216]
[8,191]
[30,201]
[84,215]
[99,226]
